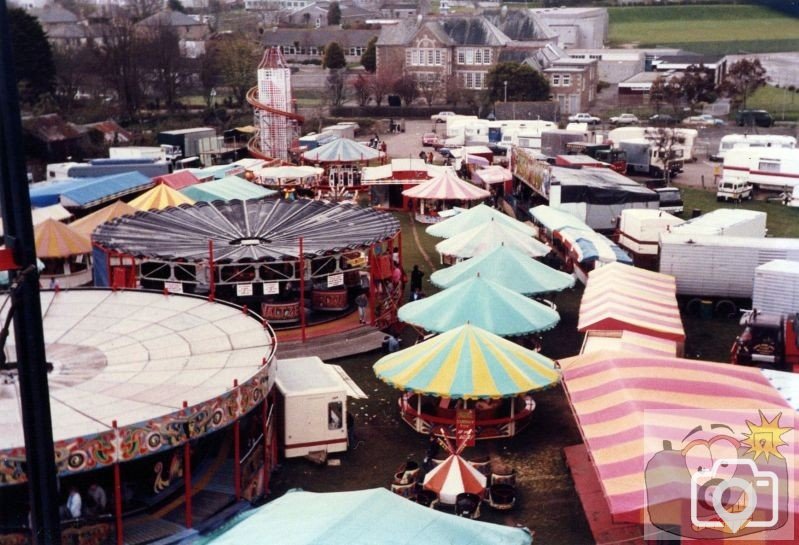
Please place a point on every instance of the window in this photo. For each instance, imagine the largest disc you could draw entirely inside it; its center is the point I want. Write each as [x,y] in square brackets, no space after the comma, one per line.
[486,56]
[768,165]
[461,57]
[555,80]
[335,411]
[566,80]
[429,57]
[478,57]
[439,57]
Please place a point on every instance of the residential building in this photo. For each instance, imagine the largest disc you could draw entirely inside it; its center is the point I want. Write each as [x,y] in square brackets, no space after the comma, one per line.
[613,65]
[635,90]
[307,43]
[572,83]
[576,27]
[191,32]
[398,9]
[288,5]
[63,28]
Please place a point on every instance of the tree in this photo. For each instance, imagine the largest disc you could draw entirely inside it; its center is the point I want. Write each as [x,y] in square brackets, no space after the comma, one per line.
[743,78]
[665,141]
[381,85]
[176,5]
[698,85]
[362,87]
[334,14]
[74,73]
[166,67]
[430,88]
[406,87]
[33,58]
[234,58]
[453,89]
[119,62]
[336,93]
[666,90]
[369,57]
[334,57]
[523,83]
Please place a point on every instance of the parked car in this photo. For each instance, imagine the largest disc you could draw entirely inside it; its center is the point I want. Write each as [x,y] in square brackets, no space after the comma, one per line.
[584,118]
[703,120]
[441,117]
[749,118]
[624,119]
[662,120]
[430,139]
[733,190]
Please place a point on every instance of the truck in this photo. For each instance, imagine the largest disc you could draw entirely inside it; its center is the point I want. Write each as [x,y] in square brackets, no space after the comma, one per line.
[720,267]
[616,158]
[684,139]
[644,157]
[670,200]
[164,152]
[769,341]
[776,287]
[639,234]
[190,141]
[555,141]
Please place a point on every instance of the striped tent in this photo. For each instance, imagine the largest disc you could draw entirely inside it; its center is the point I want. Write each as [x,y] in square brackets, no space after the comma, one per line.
[619,297]
[508,267]
[482,303]
[628,341]
[636,414]
[87,224]
[467,363]
[454,476]
[342,150]
[160,197]
[475,217]
[447,186]
[55,239]
[488,236]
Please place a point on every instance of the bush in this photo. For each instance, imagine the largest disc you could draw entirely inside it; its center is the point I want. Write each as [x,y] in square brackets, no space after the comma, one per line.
[317,62]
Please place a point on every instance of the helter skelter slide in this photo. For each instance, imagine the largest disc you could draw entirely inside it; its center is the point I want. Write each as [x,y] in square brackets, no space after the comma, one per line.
[278,127]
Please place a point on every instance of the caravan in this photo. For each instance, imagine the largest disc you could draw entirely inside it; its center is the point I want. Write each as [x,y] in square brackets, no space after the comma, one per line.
[741,142]
[775,169]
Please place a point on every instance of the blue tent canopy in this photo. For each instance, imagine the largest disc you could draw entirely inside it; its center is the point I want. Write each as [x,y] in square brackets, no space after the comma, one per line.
[49,193]
[361,517]
[104,189]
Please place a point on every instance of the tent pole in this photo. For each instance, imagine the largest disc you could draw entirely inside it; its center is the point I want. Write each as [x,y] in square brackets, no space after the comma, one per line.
[118,489]
[211,272]
[302,291]
[187,470]
[237,451]
[419,419]
[512,427]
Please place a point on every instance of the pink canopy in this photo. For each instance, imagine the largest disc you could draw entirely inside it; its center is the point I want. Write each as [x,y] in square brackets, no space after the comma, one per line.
[447,186]
[493,174]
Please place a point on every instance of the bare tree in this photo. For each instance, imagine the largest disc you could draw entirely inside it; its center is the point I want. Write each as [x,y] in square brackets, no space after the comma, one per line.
[362,88]
[743,78]
[119,61]
[382,84]
[453,89]
[430,88]
[407,88]
[235,58]
[667,143]
[141,9]
[336,92]
[167,69]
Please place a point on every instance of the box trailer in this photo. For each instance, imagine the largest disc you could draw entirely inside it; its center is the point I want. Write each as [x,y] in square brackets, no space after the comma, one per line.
[685,139]
[644,157]
[777,287]
[312,407]
[639,234]
[555,142]
[724,267]
[728,222]
[188,140]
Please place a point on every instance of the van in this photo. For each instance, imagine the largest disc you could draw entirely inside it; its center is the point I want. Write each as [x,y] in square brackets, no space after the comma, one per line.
[733,190]
[749,118]
[670,200]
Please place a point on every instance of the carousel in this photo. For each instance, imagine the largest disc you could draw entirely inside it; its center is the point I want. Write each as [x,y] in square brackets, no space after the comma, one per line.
[65,254]
[150,395]
[442,193]
[295,262]
[342,161]
[467,380]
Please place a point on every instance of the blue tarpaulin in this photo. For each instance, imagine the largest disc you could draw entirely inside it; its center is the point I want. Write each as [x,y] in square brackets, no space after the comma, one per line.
[104,189]
[49,193]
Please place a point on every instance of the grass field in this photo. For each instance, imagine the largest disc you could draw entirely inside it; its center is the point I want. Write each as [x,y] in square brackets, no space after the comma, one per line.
[723,29]
[782,103]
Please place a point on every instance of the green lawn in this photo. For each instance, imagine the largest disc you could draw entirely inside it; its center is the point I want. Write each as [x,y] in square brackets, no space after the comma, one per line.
[706,29]
[782,103]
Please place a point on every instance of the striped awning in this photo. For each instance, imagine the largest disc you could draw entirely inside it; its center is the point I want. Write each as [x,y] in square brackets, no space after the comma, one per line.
[631,409]
[454,476]
[447,186]
[620,297]
[467,363]
[160,197]
[55,239]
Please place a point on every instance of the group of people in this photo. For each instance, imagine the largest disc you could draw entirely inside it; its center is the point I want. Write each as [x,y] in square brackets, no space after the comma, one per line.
[75,508]
[427,157]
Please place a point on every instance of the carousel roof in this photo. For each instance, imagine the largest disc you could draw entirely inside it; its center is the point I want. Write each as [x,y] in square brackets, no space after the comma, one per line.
[474,217]
[482,303]
[247,230]
[227,189]
[160,197]
[454,476]
[288,172]
[342,150]
[467,363]
[55,239]
[87,224]
[508,267]
[447,186]
[488,236]
[134,357]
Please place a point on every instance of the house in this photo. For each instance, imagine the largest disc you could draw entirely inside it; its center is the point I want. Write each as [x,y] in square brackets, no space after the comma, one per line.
[290,5]
[63,28]
[573,83]
[108,132]
[635,90]
[397,9]
[465,48]
[316,15]
[305,43]
[191,32]
[576,27]
[51,139]
[613,65]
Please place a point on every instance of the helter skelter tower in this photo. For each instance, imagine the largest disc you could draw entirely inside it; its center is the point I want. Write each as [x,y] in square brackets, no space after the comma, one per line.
[273,106]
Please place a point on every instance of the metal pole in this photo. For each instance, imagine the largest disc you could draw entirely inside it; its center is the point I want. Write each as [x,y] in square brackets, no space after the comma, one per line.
[118,490]
[302,291]
[187,470]
[34,394]
[211,272]
[237,452]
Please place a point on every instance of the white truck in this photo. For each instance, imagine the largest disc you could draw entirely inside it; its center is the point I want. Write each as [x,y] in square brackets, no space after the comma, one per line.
[644,157]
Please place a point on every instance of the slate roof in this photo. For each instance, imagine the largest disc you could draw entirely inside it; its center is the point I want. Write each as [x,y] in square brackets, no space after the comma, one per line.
[318,36]
[52,15]
[51,128]
[520,25]
[170,18]
[473,31]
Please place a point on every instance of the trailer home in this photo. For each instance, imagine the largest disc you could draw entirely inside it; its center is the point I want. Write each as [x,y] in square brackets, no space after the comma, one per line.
[639,234]
[730,222]
[313,407]
[732,143]
[773,169]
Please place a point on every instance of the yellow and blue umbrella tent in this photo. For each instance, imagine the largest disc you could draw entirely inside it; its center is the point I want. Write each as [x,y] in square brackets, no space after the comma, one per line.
[482,303]
[467,363]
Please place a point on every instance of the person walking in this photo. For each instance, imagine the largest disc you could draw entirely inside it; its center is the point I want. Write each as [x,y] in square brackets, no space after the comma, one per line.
[416,279]
[362,301]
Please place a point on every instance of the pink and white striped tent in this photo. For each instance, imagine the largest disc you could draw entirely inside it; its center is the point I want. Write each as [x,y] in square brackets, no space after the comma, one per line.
[447,186]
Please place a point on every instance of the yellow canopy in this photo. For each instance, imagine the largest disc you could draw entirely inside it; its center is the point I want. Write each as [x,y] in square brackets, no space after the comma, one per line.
[55,239]
[89,223]
[160,197]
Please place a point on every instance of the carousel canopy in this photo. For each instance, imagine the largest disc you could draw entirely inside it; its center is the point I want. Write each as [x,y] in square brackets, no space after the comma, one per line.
[342,150]
[38,215]
[362,517]
[454,476]
[553,219]
[283,174]
[105,189]
[55,239]
[509,268]
[134,357]
[177,180]
[160,197]
[247,230]
[482,303]
[467,363]
[493,174]
[488,236]
[87,224]
[614,396]
[475,217]
[447,186]
[227,189]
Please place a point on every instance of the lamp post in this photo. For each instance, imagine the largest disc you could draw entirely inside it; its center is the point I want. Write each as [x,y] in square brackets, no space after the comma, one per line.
[506,89]
[213,96]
